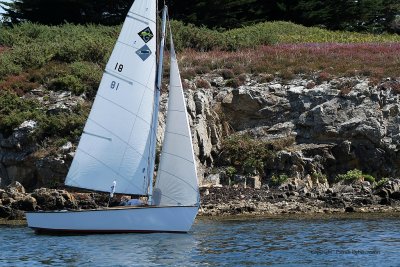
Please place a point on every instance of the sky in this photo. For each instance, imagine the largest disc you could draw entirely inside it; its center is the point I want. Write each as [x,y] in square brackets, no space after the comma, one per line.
[1,10]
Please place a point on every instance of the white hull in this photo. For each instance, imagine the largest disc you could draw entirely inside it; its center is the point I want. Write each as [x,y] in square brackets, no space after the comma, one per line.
[114,220]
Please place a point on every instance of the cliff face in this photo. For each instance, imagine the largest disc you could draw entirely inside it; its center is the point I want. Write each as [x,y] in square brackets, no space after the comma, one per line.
[335,125]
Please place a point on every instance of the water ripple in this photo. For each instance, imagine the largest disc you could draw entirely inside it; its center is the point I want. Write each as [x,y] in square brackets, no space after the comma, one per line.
[256,242]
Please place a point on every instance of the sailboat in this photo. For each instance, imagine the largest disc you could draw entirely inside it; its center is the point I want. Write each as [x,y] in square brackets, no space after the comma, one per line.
[118,145]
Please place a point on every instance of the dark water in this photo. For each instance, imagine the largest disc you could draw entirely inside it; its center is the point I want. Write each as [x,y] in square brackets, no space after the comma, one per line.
[246,242]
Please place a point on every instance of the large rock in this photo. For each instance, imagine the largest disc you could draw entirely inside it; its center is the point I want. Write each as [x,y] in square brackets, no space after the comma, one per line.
[51,199]
[27,203]
[334,130]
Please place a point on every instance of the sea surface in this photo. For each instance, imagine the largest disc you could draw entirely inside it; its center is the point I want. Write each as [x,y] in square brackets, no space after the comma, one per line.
[279,241]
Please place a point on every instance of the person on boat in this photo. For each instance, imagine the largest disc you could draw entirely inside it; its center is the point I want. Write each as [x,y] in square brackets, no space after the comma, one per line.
[135,202]
[131,202]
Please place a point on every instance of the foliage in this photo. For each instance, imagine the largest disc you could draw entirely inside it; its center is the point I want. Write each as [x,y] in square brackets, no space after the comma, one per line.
[34,45]
[362,15]
[382,182]
[72,57]
[277,180]
[319,177]
[245,153]
[14,110]
[234,83]
[230,171]
[369,178]
[20,84]
[354,175]
[66,125]
[369,59]
[53,12]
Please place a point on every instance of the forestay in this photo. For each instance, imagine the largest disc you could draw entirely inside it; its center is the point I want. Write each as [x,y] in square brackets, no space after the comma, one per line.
[176,182]
[115,142]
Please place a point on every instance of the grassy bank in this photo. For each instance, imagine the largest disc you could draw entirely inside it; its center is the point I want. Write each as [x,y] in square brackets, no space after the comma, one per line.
[72,58]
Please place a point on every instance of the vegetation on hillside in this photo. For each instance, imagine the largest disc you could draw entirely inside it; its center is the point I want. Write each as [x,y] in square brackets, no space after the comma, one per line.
[72,57]
[354,176]
[63,125]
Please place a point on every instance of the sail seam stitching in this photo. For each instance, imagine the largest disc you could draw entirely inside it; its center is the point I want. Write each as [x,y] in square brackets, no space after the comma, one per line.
[140,16]
[165,152]
[177,134]
[194,189]
[122,140]
[132,17]
[130,112]
[115,172]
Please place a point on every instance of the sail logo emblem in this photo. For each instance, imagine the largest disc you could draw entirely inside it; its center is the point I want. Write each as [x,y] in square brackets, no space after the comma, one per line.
[144,52]
[146,34]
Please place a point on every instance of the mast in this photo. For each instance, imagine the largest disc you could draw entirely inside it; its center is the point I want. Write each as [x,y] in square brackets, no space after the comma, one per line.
[153,141]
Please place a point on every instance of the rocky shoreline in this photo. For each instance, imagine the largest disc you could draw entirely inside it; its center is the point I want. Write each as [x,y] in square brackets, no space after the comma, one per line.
[289,198]
[313,129]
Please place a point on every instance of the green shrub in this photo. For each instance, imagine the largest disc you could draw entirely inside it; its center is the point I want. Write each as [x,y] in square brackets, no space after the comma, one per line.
[48,72]
[89,74]
[8,65]
[353,176]
[245,153]
[252,165]
[230,171]
[67,125]
[369,178]
[350,176]
[15,110]
[319,177]
[277,180]
[32,54]
[35,45]
[382,182]
[67,83]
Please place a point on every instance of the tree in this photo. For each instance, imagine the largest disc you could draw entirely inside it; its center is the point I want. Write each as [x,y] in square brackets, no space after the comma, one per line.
[53,12]
[354,15]
[218,13]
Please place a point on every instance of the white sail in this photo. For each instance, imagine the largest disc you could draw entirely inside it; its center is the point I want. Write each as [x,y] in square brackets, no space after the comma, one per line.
[115,142]
[176,182]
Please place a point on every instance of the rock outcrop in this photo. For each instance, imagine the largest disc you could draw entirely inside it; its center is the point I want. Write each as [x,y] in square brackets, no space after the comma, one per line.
[335,126]
[296,196]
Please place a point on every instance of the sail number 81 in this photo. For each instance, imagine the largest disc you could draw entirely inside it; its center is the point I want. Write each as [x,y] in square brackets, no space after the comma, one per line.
[114,85]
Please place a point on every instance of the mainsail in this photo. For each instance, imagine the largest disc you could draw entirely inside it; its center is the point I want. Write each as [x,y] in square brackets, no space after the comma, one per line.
[116,138]
[176,182]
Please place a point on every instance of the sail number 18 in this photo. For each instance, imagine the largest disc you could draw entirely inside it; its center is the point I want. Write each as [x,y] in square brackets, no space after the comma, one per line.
[119,67]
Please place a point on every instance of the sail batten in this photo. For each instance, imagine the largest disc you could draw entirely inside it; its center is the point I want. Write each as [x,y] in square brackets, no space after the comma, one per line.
[132,14]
